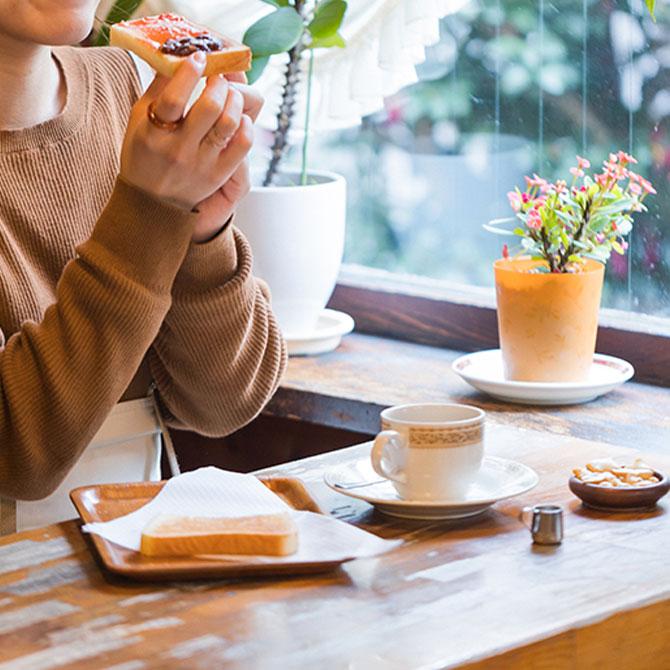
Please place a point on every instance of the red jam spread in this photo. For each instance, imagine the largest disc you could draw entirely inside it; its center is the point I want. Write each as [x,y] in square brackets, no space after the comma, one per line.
[175,35]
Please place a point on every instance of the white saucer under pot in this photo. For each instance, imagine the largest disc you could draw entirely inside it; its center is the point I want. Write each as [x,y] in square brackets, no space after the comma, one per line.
[484,371]
[326,336]
[498,479]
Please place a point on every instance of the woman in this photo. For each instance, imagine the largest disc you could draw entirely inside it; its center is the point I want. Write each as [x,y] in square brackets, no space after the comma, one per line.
[118,266]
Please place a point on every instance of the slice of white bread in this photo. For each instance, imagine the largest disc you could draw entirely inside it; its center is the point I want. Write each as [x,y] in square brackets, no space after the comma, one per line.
[266,534]
[146,36]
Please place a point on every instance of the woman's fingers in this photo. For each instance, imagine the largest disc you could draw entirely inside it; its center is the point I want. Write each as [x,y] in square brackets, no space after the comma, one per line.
[239,77]
[237,149]
[227,124]
[207,108]
[253,100]
[238,185]
[170,103]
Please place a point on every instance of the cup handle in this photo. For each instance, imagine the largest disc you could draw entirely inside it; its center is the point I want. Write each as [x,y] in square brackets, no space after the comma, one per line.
[526,517]
[384,439]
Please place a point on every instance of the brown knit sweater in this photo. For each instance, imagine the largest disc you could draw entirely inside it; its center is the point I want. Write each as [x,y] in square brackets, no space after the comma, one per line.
[102,291]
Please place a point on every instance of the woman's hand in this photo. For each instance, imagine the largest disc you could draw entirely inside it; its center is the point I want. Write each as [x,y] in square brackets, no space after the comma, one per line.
[186,165]
[214,212]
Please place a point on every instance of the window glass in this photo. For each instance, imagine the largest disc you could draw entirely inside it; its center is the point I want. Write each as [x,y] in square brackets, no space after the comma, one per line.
[513,87]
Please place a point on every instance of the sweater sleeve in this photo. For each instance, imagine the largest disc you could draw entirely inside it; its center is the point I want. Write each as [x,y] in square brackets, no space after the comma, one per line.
[60,378]
[219,356]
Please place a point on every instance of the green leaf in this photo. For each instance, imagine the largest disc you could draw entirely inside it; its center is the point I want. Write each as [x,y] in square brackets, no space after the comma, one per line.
[274,33]
[564,240]
[120,11]
[327,18]
[335,40]
[564,216]
[257,67]
[493,226]
[651,6]
[276,3]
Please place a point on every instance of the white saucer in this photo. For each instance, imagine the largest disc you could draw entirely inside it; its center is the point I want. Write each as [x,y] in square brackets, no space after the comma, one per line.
[326,336]
[498,479]
[484,371]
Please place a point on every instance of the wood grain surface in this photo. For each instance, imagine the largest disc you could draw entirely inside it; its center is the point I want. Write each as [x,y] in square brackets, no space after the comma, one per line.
[349,387]
[468,595]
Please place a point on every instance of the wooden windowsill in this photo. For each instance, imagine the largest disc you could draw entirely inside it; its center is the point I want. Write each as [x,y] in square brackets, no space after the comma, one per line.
[446,315]
[347,389]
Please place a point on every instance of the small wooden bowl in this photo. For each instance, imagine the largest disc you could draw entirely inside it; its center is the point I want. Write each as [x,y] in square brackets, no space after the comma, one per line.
[620,499]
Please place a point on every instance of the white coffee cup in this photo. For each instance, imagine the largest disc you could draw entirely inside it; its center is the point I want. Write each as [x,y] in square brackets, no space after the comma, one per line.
[430,451]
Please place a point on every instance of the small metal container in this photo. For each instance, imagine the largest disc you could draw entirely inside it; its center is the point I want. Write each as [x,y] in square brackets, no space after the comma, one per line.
[545,523]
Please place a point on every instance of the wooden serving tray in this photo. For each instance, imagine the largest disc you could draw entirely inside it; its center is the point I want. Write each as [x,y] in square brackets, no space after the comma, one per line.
[109,501]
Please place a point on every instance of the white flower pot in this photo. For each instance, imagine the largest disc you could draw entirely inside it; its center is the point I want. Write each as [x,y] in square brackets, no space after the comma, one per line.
[297,237]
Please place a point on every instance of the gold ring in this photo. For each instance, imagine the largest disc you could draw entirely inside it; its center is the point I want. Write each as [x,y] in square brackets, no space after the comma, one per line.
[159,123]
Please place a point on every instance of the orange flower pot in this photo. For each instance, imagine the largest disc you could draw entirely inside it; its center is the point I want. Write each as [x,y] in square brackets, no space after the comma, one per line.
[547,322]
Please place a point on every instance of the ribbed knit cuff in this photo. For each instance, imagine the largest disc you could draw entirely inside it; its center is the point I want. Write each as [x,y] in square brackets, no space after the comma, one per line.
[208,265]
[146,237]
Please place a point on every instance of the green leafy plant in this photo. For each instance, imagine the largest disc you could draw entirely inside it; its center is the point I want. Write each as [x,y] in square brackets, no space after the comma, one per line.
[563,225]
[120,11]
[294,27]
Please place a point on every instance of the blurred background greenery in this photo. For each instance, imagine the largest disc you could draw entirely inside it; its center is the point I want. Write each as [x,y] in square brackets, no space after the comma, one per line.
[513,86]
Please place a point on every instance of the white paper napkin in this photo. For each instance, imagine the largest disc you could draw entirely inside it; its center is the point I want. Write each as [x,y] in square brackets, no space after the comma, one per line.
[211,492]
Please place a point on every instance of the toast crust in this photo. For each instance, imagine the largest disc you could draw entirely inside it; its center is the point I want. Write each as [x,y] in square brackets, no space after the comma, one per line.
[145,37]
[268,535]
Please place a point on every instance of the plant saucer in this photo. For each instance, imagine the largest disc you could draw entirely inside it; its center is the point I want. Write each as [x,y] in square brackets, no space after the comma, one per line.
[484,371]
[330,327]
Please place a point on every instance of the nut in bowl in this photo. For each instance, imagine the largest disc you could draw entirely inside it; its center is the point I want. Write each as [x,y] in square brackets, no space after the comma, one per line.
[607,485]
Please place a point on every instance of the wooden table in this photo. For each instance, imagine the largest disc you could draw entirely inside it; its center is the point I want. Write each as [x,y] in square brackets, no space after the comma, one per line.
[474,595]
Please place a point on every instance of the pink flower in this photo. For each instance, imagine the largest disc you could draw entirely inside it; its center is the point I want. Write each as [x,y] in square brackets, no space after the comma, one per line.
[560,186]
[600,238]
[615,171]
[576,172]
[534,220]
[625,158]
[583,163]
[636,189]
[536,180]
[514,200]
[525,198]
[505,251]
[646,185]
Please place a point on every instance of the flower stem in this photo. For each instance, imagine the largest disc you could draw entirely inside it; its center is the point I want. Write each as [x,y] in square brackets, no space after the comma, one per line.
[286,107]
[547,252]
[303,173]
